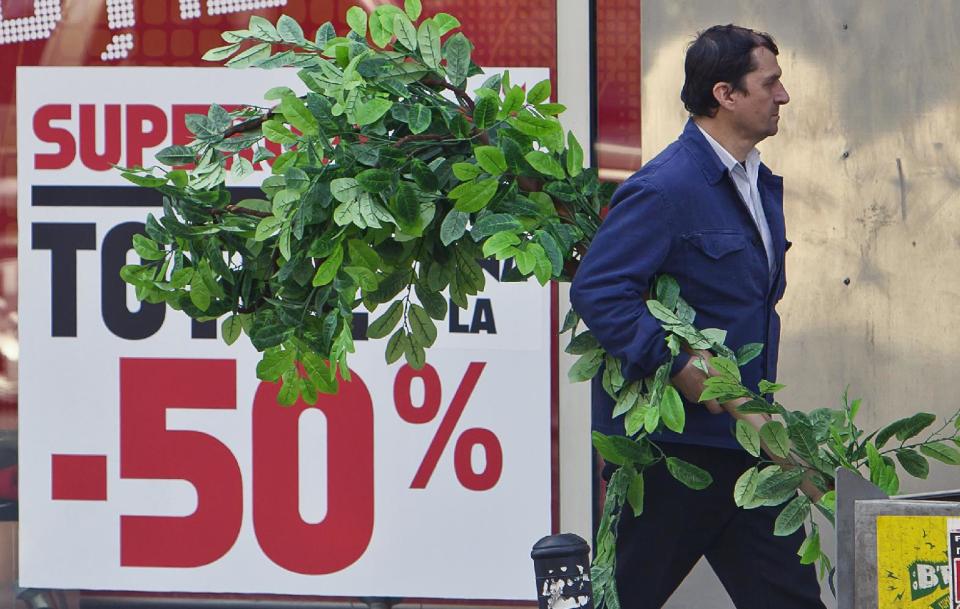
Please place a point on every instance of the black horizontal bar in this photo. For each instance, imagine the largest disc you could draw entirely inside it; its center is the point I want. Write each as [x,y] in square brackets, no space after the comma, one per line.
[114,196]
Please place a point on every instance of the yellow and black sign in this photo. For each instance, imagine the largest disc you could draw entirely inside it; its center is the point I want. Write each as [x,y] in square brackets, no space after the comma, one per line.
[913,570]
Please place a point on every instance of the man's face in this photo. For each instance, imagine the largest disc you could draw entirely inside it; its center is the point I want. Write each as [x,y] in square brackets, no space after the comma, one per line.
[756,110]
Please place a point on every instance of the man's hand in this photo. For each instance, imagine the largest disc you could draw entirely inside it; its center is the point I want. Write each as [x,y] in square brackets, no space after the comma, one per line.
[689,381]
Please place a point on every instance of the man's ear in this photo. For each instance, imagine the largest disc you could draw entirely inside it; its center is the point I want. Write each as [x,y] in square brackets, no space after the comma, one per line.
[723,93]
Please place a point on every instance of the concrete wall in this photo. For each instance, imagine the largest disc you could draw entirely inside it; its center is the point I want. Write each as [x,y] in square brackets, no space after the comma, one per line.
[870,155]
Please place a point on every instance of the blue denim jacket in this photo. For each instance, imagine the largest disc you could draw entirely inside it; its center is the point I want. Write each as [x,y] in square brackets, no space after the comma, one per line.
[681,215]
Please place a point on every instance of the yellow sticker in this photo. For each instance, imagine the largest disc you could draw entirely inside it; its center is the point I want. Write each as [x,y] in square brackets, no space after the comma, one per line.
[912,568]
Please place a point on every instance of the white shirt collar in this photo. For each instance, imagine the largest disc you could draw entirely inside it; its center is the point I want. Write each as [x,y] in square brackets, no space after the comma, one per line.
[753,157]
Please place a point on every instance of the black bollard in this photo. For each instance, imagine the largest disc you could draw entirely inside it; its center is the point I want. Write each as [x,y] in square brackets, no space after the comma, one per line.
[562,566]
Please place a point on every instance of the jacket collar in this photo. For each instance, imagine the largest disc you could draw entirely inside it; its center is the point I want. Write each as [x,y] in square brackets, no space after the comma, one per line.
[699,148]
[708,161]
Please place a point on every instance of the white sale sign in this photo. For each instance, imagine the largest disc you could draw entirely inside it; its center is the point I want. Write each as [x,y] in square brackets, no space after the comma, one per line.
[152,458]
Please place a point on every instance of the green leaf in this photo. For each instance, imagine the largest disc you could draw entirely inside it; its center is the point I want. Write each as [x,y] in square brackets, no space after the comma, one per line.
[325,33]
[274,363]
[914,464]
[434,303]
[498,243]
[551,109]
[147,248]
[810,548]
[768,387]
[748,437]
[491,159]
[466,171]
[474,196]
[905,428]
[620,450]
[550,246]
[428,42]
[241,168]
[746,486]
[780,486]
[405,32]
[345,190]
[545,164]
[387,322]
[372,110]
[635,494]
[230,329]
[485,112]
[289,29]
[419,118]
[722,390]
[199,292]
[760,406]
[289,388]
[453,226]
[406,205]
[792,516]
[267,228]
[412,8]
[328,270]
[357,20]
[512,101]
[941,452]
[539,93]
[274,131]
[381,26]
[176,155]
[495,223]
[297,114]
[425,178]
[574,155]
[424,330]
[268,335]
[671,409]
[396,346]
[263,29]
[689,474]
[586,367]
[221,53]
[804,439]
[375,180]
[457,53]
[445,23]
[726,367]
[415,355]
[774,435]
[251,56]
[748,352]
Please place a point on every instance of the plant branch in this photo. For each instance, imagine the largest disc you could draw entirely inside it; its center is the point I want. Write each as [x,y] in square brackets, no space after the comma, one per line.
[248,125]
[462,97]
[240,211]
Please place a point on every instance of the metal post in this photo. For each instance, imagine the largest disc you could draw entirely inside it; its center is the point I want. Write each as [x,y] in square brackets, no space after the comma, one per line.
[562,566]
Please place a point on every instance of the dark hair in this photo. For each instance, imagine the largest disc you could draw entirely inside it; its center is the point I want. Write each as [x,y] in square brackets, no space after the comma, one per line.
[721,53]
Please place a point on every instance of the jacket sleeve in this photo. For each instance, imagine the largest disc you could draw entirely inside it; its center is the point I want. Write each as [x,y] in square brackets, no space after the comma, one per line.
[608,289]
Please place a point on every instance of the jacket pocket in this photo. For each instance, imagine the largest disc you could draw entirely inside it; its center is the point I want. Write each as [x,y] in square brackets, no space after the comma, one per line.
[717,244]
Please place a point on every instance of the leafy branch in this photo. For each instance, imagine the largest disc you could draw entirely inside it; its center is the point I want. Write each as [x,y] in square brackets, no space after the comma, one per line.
[796,450]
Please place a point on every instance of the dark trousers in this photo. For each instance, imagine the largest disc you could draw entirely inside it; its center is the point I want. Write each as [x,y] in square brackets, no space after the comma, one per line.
[656,551]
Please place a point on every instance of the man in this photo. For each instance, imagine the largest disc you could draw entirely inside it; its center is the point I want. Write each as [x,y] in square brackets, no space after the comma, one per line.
[708,213]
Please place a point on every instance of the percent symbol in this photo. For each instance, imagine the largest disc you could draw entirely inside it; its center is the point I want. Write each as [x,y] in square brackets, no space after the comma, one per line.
[483,480]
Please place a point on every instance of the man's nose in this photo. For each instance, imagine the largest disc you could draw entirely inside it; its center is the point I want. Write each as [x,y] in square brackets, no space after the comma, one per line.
[782,96]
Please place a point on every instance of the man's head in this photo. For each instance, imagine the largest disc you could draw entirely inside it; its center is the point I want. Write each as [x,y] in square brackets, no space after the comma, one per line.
[732,75]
